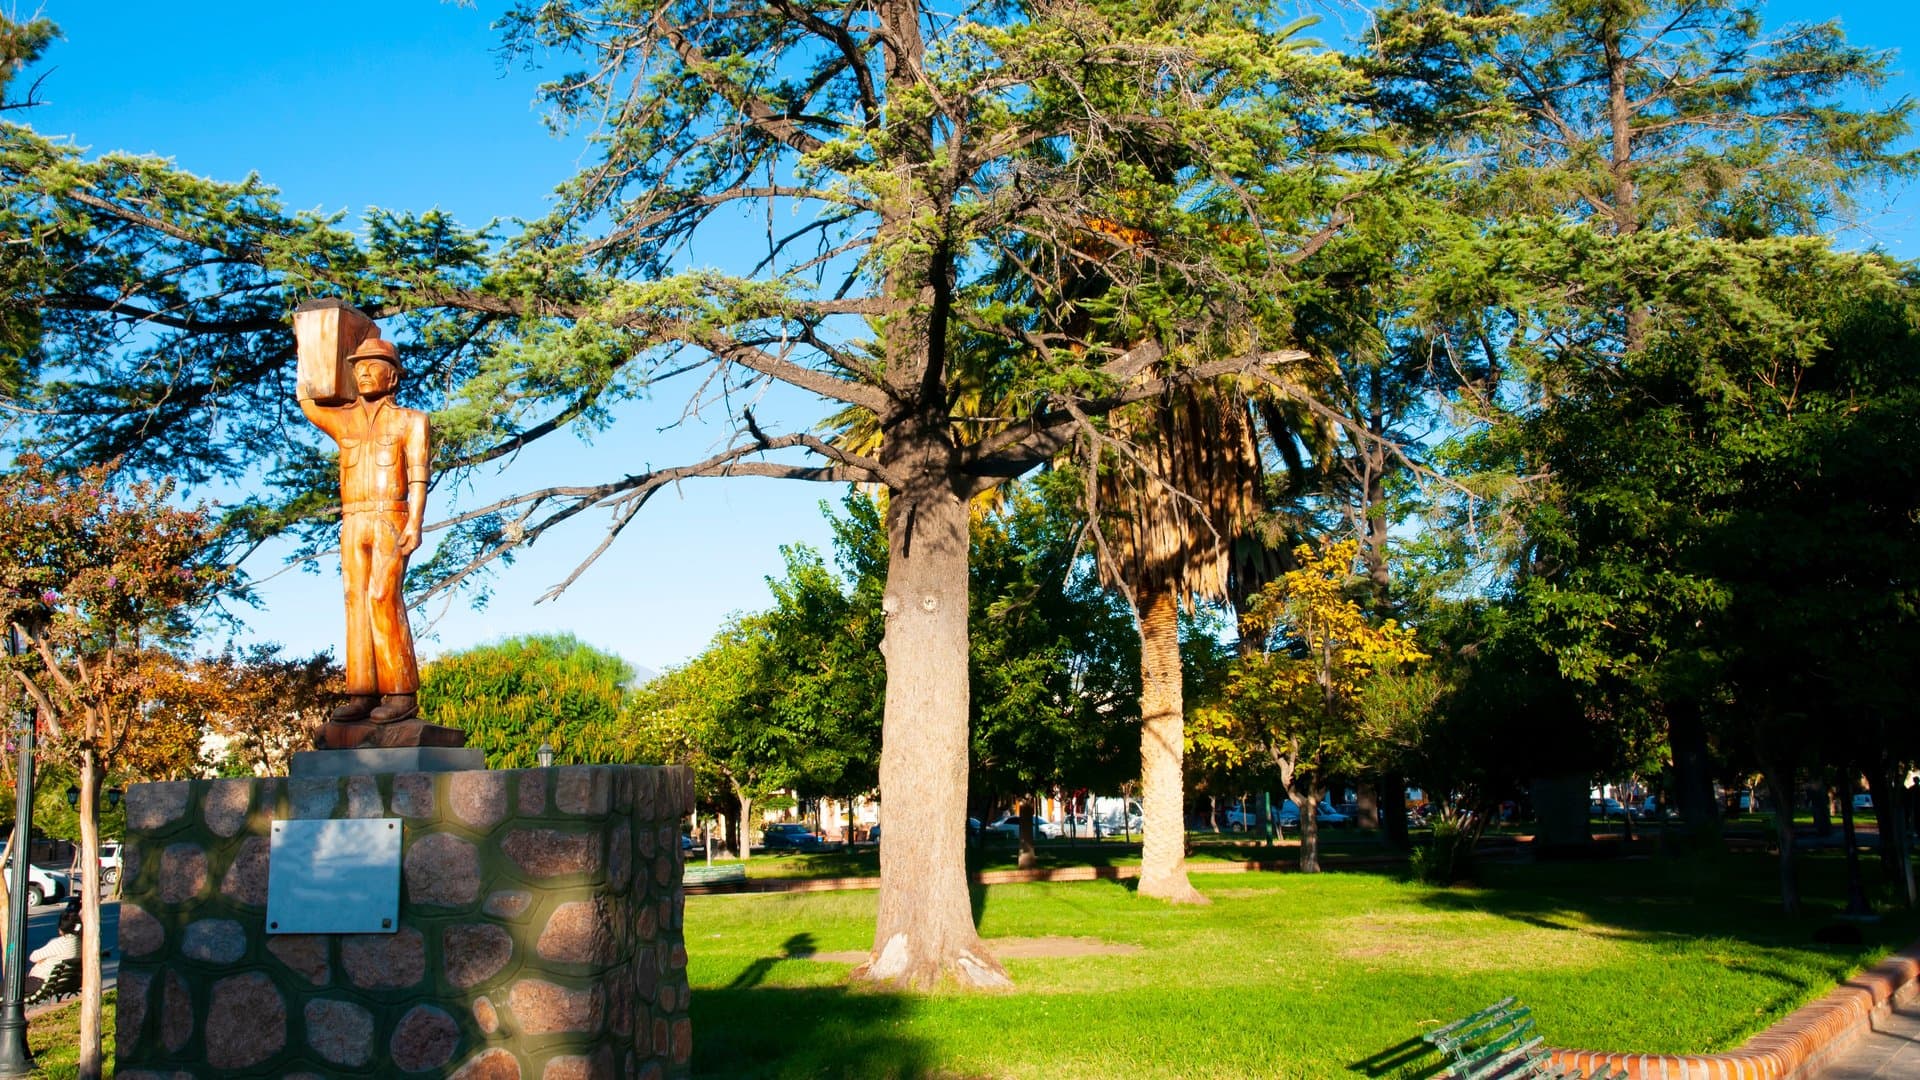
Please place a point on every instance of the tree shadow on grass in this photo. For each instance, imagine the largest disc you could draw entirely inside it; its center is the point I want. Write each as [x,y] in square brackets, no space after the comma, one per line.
[759,1031]
[1730,896]
[798,947]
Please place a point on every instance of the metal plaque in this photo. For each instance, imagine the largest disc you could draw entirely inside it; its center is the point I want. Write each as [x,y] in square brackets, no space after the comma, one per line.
[334,877]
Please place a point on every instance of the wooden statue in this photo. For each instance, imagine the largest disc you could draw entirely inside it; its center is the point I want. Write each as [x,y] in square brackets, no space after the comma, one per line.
[347,377]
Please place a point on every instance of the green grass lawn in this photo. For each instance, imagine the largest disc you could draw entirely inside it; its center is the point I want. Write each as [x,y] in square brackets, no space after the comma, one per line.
[53,1038]
[1283,975]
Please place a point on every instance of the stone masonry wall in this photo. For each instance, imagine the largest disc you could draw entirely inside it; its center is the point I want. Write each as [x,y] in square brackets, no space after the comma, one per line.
[539,938]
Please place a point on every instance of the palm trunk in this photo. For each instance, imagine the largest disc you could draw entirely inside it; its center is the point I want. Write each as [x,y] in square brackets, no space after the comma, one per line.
[924,932]
[1163,827]
[90,1066]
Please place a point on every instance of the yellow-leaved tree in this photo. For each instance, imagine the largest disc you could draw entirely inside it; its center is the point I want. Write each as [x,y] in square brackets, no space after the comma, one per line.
[1294,703]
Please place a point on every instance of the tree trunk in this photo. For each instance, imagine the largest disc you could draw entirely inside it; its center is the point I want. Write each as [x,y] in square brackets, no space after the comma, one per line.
[924,932]
[1896,843]
[1856,889]
[1693,777]
[90,1067]
[1163,827]
[1028,860]
[745,845]
[1309,830]
[1393,811]
[1560,811]
[1366,805]
[1780,778]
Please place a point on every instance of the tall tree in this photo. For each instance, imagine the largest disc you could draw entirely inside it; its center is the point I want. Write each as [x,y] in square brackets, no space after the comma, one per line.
[95,577]
[716,714]
[1182,483]
[1297,702]
[913,146]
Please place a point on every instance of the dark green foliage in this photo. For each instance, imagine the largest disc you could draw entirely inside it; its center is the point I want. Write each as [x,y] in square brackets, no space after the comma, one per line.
[1446,856]
[1055,659]
[510,696]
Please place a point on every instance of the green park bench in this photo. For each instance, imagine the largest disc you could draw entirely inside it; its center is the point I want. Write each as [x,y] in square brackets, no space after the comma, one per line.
[1499,1043]
[714,875]
[62,981]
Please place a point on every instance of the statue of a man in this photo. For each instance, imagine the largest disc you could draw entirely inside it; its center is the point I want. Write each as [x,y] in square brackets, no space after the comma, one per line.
[383,498]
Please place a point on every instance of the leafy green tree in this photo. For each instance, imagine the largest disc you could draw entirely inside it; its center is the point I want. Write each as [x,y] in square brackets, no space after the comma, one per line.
[1054,657]
[512,695]
[824,633]
[715,713]
[1661,114]
[1728,535]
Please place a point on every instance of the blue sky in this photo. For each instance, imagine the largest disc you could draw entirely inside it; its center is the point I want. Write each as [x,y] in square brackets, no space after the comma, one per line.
[404,104]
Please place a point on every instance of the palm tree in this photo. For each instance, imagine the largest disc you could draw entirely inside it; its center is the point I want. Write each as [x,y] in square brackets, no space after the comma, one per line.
[1180,494]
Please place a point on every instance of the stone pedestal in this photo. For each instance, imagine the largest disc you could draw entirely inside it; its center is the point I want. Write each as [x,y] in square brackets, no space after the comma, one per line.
[539,932]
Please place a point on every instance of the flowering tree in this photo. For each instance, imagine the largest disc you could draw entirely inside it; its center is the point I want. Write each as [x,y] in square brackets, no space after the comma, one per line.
[1296,702]
[96,578]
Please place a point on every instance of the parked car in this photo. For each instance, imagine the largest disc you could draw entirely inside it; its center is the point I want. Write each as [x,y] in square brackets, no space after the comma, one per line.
[1606,808]
[1079,825]
[109,861]
[43,885]
[974,830]
[1288,816]
[1117,826]
[1009,826]
[790,836]
[1242,820]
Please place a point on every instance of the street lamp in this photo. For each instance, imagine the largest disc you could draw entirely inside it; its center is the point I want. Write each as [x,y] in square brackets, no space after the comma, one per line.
[15,1059]
[73,797]
[545,754]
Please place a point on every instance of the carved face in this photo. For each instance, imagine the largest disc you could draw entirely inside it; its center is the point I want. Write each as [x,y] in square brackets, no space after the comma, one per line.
[374,377]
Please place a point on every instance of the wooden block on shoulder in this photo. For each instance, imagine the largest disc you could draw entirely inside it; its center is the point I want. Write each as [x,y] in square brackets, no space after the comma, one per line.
[325,333]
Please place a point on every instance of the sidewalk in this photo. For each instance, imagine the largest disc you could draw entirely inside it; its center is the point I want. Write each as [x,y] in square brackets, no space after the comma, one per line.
[1891,1051]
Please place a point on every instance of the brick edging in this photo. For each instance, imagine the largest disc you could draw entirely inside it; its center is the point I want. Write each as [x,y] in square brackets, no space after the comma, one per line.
[1790,1049]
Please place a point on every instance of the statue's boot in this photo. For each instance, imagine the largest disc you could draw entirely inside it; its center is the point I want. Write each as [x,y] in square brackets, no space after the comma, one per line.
[395,707]
[355,708]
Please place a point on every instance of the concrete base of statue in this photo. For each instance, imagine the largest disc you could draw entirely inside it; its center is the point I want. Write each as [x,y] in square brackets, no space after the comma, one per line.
[539,931]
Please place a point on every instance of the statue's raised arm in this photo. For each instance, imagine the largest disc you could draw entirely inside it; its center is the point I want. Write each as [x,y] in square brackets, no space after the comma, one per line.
[347,378]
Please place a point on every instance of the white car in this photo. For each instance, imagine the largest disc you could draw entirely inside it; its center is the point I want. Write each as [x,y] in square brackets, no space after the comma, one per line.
[1009,826]
[110,860]
[43,885]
